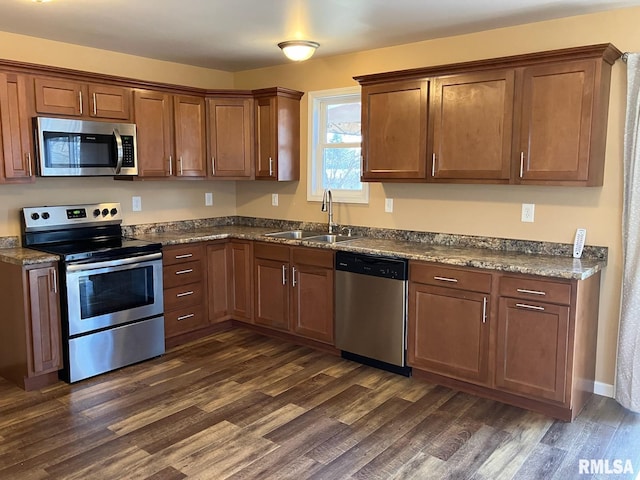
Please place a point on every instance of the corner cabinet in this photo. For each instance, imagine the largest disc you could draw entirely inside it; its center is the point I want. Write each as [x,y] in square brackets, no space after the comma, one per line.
[30,345]
[277,134]
[538,119]
[524,340]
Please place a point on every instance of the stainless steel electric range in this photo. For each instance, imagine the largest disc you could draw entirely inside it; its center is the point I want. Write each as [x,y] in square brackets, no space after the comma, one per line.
[110,286]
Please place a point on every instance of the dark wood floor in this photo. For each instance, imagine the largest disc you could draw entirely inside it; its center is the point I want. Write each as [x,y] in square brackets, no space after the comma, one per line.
[240,405]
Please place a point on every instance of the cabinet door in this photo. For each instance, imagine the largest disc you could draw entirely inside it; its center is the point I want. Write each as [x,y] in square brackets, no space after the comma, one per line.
[271,293]
[110,102]
[190,136]
[230,137]
[153,118]
[15,129]
[60,97]
[44,321]
[472,116]
[394,129]
[532,348]
[448,332]
[266,138]
[239,263]
[217,281]
[555,122]
[312,299]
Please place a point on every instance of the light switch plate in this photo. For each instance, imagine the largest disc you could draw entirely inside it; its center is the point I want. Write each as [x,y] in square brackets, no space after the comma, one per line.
[274,199]
[208,199]
[528,212]
[388,205]
[136,204]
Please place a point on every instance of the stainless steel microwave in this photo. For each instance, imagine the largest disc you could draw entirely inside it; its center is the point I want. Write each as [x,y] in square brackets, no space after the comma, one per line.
[80,148]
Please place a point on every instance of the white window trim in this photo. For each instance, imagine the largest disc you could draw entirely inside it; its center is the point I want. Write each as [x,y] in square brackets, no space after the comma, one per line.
[340,196]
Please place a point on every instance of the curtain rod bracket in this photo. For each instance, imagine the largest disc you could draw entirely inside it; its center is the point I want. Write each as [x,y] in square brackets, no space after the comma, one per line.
[624,57]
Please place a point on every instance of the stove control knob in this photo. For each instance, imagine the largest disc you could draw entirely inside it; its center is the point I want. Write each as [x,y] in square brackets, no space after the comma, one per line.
[114,211]
[35,216]
[105,212]
[45,215]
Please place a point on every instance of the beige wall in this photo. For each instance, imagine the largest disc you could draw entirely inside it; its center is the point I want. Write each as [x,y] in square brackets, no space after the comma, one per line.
[467,209]
[475,209]
[161,201]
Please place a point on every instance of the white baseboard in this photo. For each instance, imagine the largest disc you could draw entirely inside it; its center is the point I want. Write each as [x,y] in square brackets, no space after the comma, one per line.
[604,389]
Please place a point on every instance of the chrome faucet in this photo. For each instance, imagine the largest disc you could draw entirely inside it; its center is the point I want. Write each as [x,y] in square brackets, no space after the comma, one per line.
[327,199]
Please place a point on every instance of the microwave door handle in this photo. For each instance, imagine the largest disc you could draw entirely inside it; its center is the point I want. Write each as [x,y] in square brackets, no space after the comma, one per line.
[116,134]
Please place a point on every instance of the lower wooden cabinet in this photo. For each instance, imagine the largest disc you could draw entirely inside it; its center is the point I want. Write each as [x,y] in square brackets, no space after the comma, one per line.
[30,345]
[525,340]
[185,289]
[239,264]
[294,290]
[448,328]
[532,348]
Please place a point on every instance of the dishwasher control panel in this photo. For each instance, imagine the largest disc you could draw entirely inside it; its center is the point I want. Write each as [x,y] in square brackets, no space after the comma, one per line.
[385,267]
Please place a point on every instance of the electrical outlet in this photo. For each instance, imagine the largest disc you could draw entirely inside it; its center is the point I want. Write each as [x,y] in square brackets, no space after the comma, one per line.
[208,199]
[274,199]
[388,205]
[136,204]
[528,212]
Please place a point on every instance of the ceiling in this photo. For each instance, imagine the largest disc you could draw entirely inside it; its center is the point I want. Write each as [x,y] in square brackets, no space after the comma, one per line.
[236,35]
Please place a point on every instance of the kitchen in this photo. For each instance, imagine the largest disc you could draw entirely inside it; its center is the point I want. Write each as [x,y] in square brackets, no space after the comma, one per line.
[492,211]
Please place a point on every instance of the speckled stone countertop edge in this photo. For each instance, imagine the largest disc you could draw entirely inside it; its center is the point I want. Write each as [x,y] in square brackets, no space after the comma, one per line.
[496,260]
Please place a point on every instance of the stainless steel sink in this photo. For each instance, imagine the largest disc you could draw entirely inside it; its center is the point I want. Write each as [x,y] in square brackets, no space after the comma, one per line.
[330,238]
[292,234]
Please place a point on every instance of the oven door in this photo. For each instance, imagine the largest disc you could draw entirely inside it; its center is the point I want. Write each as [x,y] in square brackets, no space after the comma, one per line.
[109,293]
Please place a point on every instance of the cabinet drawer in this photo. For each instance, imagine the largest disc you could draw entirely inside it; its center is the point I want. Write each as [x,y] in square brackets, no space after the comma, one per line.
[182,296]
[536,290]
[184,320]
[271,251]
[182,274]
[464,279]
[312,256]
[182,253]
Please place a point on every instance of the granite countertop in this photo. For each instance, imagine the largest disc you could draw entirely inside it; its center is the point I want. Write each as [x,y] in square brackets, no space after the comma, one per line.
[557,266]
[505,261]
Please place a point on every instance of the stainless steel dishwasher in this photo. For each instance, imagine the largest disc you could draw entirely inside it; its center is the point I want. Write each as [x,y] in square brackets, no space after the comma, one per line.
[371,310]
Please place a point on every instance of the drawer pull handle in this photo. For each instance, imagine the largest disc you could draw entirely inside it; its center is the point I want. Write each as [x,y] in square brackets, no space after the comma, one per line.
[184,317]
[446,279]
[530,307]
[530,292]
[293,276]
[186,255]
[184,294]
[182,272]
[284,275]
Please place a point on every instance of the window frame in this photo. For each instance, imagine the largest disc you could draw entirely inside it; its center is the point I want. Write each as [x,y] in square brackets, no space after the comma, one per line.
[317,114]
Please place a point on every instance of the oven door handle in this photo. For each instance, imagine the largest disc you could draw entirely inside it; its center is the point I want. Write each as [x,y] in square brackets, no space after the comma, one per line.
[79,267]
[119,149]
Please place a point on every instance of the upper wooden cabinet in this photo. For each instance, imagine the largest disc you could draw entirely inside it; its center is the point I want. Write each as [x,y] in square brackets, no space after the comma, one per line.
[529,119]
[394,128]
[562,123]
[277,134]
[54,96]
[171,134]
[471,121]
[15,130]
[230,137]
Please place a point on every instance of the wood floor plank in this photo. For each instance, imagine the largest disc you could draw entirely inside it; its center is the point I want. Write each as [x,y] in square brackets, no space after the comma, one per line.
[241,405]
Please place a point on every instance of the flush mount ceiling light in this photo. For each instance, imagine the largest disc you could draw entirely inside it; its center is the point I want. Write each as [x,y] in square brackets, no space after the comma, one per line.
[298,50]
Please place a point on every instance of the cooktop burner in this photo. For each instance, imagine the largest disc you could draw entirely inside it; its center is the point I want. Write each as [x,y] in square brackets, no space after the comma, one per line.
[81,232]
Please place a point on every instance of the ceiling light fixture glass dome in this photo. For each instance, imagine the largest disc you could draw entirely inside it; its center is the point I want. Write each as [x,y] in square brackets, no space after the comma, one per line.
[298,50]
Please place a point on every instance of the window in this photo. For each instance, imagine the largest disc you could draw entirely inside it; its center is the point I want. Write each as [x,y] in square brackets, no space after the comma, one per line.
[334,146]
